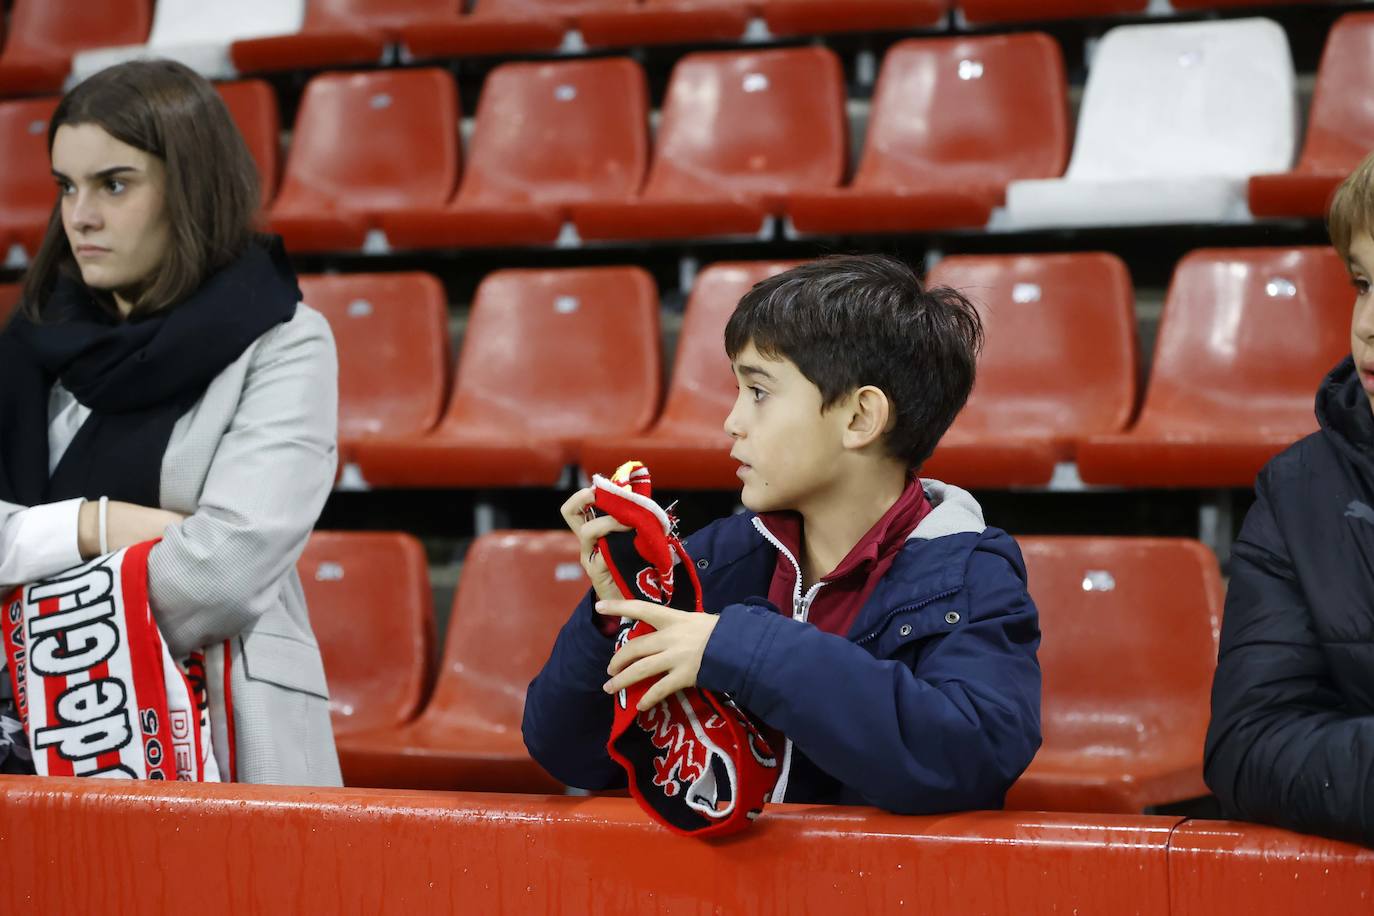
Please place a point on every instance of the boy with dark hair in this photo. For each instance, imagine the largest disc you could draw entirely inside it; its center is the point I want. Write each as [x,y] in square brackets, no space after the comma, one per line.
[868,615]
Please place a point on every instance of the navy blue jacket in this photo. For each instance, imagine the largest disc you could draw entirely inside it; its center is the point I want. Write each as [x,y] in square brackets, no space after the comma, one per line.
[1291,741]
[931,704]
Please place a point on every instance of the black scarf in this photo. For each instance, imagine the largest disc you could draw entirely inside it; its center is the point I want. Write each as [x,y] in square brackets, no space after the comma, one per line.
[137,376]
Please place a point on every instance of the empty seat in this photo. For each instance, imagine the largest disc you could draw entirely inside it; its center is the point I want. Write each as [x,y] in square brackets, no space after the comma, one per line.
[1174,121]
[1340,131]
[818,17]
[27,191]
[1129,645]
[1245,338]
[688,447]
[339,33]
[253,106]
[199,34]
[666,22]
[953,121]
[10,294]
[365,144]
[373,616]
[1059,364]
[391,331]
[981,11]
[740,131]
[44,34]
[549,358]
[1185,5]
[516,590]
[547,135]
[501,27]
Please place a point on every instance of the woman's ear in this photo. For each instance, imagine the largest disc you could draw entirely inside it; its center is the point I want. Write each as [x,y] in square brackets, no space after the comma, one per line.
[870,417]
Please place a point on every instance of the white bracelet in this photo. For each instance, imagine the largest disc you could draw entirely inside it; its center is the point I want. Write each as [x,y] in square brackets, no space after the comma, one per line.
[104,513]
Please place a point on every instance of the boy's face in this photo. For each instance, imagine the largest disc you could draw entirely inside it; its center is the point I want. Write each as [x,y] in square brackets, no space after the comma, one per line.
[789,451]
[1361,266]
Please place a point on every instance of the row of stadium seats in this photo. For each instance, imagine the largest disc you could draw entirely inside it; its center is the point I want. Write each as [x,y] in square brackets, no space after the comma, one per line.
[1130,640]
[264,35]
[959,127]
[563,367]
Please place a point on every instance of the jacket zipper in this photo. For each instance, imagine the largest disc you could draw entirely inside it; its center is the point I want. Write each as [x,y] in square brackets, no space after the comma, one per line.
[801,607]
[902,609]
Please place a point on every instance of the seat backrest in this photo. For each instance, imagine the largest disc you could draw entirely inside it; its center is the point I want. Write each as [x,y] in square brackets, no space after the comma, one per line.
[253,106]
[373,615]
[178,23]
[980,11]
[376,14]
[26,183]
[1246,336]
[751,122]
[1129,630]
[1187,99]
[702,389]
[1340,130]
[984,109]
[391,330]
[558,133]
[374,141]
[42,28]
[1059,354]
[515,592]
[10,294]
[561,354]
[521,8]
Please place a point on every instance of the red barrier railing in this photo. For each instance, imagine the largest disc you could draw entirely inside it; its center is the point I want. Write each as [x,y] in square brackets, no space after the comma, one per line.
[88,846]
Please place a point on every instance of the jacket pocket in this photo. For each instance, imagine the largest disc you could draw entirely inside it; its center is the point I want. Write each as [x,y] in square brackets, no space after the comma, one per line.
[284,661]
[907,630]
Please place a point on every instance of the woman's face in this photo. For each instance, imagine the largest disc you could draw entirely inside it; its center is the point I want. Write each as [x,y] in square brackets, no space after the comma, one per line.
[113,208]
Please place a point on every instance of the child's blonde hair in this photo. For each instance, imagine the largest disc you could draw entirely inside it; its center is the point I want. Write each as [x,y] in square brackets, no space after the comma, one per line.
[1352,207]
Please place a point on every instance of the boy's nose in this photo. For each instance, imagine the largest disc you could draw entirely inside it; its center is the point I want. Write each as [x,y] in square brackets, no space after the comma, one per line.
[732,427]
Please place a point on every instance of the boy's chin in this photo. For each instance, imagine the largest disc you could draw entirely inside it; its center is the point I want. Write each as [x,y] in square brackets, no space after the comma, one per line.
[755,501]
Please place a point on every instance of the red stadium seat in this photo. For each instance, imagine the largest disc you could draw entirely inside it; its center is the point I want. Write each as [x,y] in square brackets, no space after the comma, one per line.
[1340,131]
[44,34]
[549,358]
[1185,5]
[502,27]
[391,330]
[740,131]
[547,135]
[373,615]
[366,144]
[688,447]
[253,106]
[516,590]
[1245,339]
[667,22]
[1059,364]
[954,121]
[820,17]
[27,191]
[981,11]
[1130,643]
[338,33]
[9,300]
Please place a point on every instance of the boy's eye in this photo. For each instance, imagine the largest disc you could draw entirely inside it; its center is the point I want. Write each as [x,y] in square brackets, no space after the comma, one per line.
[1361,285]
[114,186]
[759,393]
[65,187]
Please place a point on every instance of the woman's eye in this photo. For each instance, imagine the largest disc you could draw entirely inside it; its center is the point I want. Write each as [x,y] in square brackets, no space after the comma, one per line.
[115,186]
[1361,286]
[65,188]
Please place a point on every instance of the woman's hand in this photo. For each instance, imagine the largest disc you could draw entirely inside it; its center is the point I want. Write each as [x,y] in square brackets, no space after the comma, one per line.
[125,525]
[588,533]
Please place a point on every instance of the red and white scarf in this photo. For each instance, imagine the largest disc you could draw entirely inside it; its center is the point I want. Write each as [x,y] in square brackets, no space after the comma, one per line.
[95,686]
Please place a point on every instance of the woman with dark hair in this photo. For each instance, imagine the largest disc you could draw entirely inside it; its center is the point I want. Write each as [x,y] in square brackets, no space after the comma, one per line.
[163,380]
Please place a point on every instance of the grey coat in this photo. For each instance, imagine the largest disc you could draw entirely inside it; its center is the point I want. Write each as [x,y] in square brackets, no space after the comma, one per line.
[251,464]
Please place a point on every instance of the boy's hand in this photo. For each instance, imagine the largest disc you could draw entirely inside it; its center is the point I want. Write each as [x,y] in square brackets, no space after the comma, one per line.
[588,533]
[674,650]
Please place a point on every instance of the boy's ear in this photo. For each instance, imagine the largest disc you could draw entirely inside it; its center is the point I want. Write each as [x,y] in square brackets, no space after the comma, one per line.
[870,416]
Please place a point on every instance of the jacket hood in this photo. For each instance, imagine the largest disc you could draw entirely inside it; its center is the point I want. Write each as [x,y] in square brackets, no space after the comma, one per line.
[953,511]
[1344,414]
